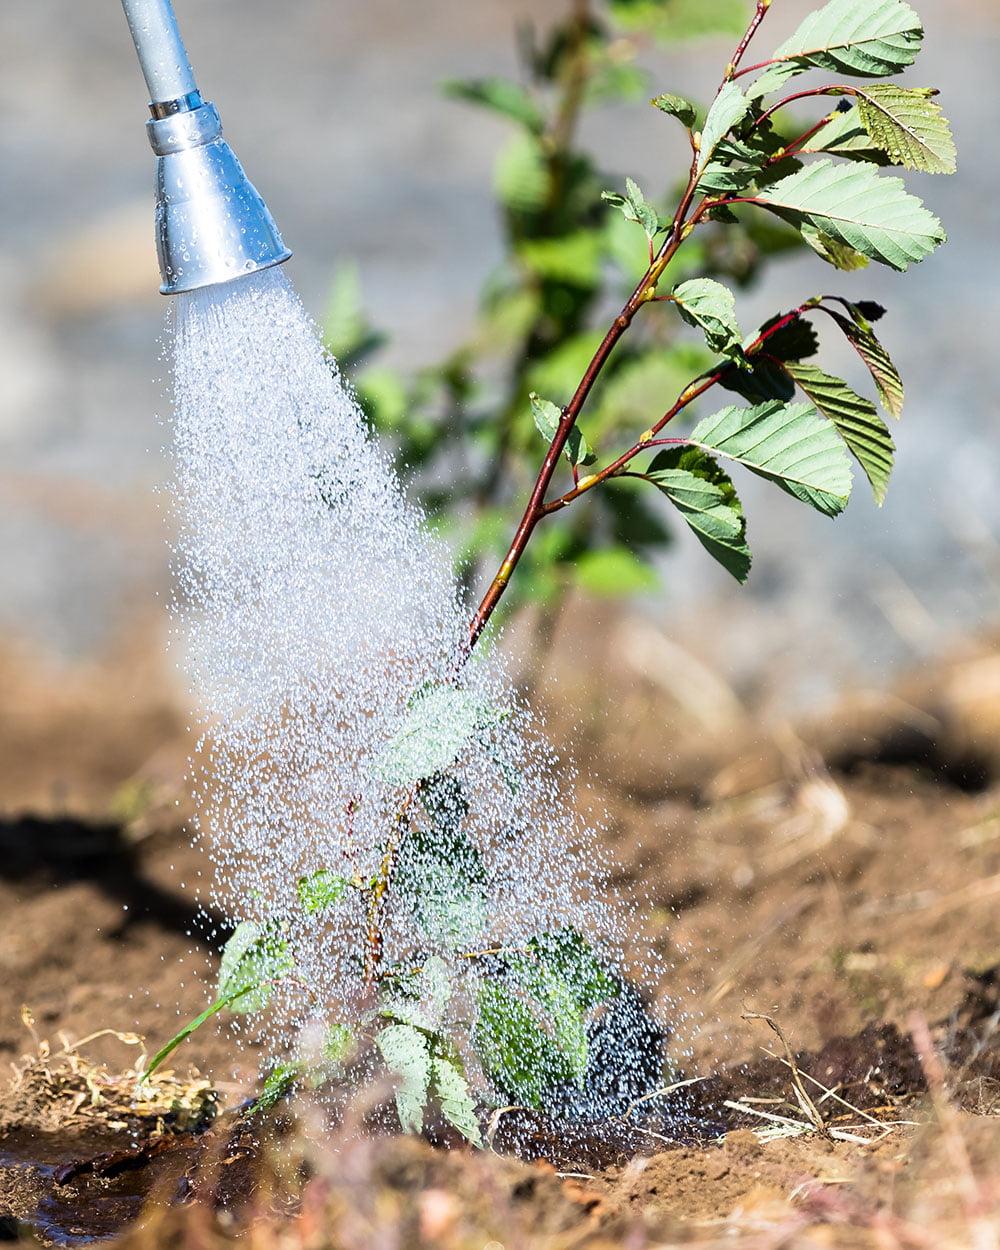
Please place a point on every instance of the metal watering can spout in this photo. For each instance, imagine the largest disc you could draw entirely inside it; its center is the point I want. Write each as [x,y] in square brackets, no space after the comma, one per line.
[211,224]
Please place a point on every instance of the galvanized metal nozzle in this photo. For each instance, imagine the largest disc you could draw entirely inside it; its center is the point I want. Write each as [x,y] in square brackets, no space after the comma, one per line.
[211,224]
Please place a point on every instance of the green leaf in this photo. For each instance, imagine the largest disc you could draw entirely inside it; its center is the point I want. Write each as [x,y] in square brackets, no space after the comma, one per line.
[728,109]
[794,341]
[521,1059]
[719,179]
[634,207]
[406,1051]
[572,258]
[500,96]
[884,373]
[319,890]
[857,420]
[908,125]
[346,333]
[450,1089]
[789,444]
[535,1039]
[441,877]
[418,998]
[440,721]
[278,1083]
[869,38]
[680,19]
[842,134]
[567,955]
[708,304]
[855,205]
[547,417]
[835,253]
[613,571]
[254,957]
[521,175]
[182,1036]
[706,498]
[676,106]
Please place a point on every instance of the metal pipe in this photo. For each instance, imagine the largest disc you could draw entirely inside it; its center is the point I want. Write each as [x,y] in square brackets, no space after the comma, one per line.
[211,224]
[162,55]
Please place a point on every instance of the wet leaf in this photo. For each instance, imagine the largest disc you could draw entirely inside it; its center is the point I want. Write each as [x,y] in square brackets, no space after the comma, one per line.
[440,721]
[319,890]
[254,957]
[908,125]
[406,1051]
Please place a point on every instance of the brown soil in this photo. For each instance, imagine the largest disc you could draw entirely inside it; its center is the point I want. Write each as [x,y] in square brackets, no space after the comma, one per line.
[841,880]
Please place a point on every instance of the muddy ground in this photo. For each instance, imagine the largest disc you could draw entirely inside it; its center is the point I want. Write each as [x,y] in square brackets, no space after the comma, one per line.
[840,877]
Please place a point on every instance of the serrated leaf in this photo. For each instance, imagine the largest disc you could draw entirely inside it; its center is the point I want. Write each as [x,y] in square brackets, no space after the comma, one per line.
[853,204]
[908,125]
[635,207]
[719,179]
[856,419]
[708,304]
[794,341]
[254,957]
[728,109]
[835,253]
[521,1059]
[441,877]
[884,373]
[765,379]
[421,997]
[440,721]
[319,890]
[568,956]
[676,106]
[407,1055]
[842,134]
[789,444]
[706,498]
[869,38]
[451,1091]
[500,95]
[547,417]
[280,1082]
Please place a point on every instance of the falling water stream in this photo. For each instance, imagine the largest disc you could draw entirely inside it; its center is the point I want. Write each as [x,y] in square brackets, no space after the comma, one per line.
[313,603]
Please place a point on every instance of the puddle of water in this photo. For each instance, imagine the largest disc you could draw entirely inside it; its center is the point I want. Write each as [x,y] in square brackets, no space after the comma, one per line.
[87,1208]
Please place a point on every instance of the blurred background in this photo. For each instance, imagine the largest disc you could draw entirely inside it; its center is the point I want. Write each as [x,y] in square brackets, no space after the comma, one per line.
[337,114]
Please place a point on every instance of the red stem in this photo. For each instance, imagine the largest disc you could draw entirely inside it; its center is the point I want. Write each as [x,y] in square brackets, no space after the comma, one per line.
[758,17]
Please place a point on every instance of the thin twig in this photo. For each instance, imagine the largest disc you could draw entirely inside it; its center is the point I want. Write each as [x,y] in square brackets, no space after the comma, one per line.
[807,1105]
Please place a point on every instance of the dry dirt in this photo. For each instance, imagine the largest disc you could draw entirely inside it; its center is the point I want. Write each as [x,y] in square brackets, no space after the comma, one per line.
[840,878]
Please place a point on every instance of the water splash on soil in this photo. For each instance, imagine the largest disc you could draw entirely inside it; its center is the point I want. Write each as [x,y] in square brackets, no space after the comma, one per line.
[313,605]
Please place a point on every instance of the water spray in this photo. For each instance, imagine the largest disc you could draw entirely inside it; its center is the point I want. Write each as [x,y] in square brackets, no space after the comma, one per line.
[211,223]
